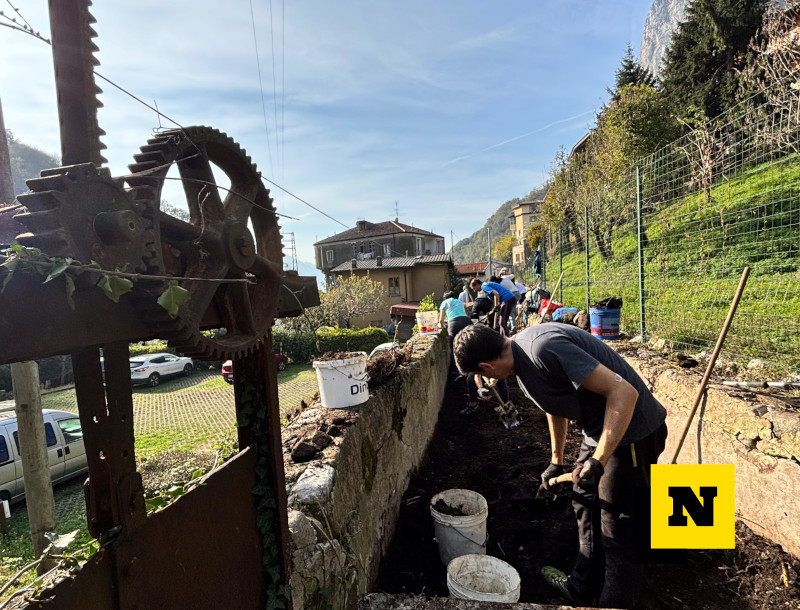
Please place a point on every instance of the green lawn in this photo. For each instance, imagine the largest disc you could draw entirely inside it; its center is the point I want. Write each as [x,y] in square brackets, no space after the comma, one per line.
[17,548]
[192,412]
[183,413]
[693,258]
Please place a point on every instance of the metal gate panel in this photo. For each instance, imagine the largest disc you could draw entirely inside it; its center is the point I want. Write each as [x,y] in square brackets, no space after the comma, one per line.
[202,551]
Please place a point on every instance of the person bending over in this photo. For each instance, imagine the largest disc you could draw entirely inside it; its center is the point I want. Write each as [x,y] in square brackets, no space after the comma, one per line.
[504,302]
[570,374]
[452,313]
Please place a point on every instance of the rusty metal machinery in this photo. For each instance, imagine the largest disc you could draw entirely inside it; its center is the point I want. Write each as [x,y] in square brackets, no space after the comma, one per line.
[228,256]
[83,213]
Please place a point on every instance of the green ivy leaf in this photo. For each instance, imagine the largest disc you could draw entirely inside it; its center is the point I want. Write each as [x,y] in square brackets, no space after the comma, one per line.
[152,504]
[173,297]
[70,291]
[59,267]
[10,264]
[114,287]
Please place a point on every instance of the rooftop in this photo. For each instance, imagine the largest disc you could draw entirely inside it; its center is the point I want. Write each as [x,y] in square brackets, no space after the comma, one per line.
[366,230]
[394,262]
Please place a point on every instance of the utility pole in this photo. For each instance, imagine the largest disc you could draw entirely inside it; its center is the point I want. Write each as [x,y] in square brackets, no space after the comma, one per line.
[28,408]
[489,241]
[6,181]
[33,451]
[451,247]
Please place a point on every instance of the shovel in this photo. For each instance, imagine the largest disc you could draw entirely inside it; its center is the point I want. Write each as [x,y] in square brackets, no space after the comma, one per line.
[509,416]
[546,494]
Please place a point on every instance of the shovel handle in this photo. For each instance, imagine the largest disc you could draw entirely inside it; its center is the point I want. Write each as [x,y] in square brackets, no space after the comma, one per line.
[562,478]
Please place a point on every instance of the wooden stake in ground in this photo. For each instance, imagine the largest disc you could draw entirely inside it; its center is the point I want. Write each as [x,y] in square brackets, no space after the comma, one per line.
[552,296]
[712,361]
[33,450]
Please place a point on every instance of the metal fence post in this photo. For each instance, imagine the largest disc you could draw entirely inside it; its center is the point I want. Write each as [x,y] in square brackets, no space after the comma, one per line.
[561,262]
[586,246]
[545,243]
[640,235]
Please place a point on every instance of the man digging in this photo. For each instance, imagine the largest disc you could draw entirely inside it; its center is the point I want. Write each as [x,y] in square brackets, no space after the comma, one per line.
[570,374]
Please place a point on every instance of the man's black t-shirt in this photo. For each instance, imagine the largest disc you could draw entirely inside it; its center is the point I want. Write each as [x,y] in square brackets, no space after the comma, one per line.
[551,361]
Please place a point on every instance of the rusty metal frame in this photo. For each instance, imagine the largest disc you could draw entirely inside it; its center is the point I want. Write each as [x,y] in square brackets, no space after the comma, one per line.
[207,548]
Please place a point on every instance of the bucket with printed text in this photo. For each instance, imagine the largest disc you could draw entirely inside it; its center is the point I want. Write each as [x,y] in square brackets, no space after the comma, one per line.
[464,533]
[343,383]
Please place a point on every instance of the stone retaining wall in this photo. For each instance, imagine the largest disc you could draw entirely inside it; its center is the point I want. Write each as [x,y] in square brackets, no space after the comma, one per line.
[756,433]
[344,504]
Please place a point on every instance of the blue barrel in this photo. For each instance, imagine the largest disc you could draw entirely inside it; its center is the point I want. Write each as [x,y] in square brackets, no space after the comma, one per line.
[604,323]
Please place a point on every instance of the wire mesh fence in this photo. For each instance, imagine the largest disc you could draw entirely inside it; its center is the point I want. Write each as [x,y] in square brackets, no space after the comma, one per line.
[672,236]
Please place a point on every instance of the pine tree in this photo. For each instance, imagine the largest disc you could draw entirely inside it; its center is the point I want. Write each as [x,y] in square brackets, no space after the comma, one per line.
[706,53]
[630,72]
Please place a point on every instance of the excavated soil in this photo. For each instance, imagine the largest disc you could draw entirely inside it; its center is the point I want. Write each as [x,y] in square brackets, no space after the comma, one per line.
[476,452]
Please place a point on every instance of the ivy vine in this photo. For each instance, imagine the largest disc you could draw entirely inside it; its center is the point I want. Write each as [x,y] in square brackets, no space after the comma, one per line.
[114,284]
[253,416]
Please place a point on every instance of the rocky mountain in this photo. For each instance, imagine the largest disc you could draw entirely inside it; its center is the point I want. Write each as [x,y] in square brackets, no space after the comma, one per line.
[661,21]
[304,268]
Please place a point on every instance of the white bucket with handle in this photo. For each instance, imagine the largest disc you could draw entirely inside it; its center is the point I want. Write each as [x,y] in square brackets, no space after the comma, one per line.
[460,534]
[482,578]
[343,383]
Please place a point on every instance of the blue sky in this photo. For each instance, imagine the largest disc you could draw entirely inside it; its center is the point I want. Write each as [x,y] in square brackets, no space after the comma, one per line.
[448,107]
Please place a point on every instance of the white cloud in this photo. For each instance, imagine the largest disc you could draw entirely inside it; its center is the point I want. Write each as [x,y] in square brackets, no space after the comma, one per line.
[372,98]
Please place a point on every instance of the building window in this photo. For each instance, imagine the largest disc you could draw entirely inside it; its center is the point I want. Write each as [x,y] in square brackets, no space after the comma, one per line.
[419,245]
[329,256]
[372,247]
[394,286]
[355,251]
[387,250]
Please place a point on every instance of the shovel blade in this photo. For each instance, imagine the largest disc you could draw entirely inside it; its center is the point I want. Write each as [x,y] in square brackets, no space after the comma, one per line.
[510,419]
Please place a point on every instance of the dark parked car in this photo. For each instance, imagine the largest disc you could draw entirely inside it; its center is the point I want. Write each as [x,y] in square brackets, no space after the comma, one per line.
[227,367]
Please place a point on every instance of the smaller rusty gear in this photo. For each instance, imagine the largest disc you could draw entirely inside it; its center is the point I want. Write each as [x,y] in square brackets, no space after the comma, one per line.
[229,236]
[80,212]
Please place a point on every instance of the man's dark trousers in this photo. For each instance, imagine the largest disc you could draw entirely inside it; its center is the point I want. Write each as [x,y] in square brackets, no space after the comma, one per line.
[606,563]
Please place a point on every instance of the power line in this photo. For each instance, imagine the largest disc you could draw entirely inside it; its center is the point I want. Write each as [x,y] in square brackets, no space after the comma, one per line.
[261,86]
[16,10]
[274,85]
[283,90]
[316,209]
[30,31]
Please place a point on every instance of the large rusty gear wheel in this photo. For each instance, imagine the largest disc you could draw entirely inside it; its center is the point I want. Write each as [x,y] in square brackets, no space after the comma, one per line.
[80,212]
[216,243]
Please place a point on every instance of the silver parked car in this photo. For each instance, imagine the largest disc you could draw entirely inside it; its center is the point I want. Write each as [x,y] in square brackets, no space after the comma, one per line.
[65,450]
[150,368]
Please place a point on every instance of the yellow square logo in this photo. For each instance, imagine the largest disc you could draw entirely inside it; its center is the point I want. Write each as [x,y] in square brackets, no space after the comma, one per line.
[692,506]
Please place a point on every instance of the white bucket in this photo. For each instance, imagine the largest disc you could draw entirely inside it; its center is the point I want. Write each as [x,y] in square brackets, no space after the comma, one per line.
[343,383]
[461,535]
[428,320]
[482,578]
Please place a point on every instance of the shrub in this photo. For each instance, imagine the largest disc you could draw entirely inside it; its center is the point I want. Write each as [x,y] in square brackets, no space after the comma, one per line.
[302,346]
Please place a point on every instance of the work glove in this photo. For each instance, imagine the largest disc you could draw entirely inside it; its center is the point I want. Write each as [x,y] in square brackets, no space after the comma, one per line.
[484,393]
[587,475]
[553,470]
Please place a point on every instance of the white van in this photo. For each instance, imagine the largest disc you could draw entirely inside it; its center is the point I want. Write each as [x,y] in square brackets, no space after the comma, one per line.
[65,450]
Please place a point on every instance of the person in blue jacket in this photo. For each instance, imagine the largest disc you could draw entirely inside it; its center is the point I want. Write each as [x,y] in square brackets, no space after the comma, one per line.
[504,302]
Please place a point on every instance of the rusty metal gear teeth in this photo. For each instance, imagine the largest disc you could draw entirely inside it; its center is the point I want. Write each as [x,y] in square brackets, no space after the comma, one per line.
[155,159]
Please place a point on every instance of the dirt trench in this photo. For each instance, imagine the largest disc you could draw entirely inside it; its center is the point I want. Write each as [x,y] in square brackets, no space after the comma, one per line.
[476,452]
